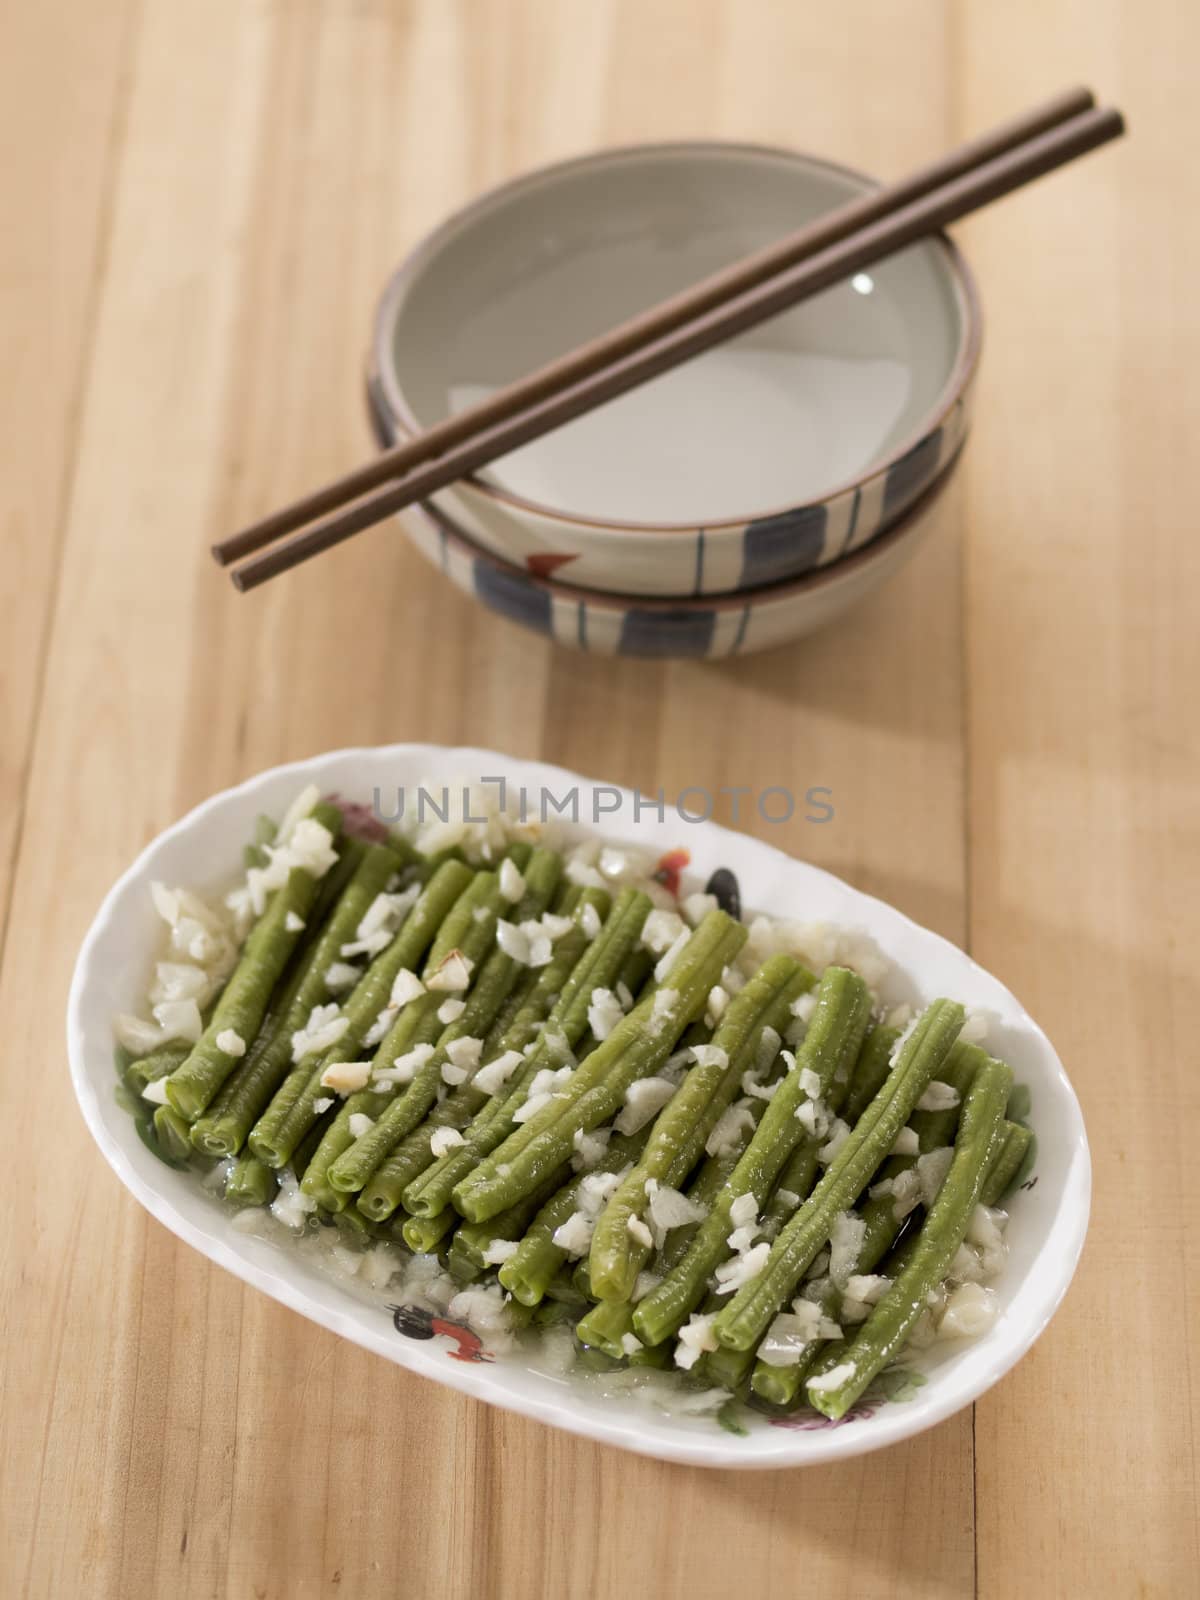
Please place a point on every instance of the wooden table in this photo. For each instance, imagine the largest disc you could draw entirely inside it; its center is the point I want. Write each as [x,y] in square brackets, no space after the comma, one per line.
[207,196]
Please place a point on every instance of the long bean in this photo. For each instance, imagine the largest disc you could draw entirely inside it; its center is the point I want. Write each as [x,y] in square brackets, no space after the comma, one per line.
[423,1234]
[883,1335]
[606,1327]
[744,1321]
[243,1003]
[496,976]
[683,1126]
[158,1064]
[474,1238]
[251,1183]
[829,1050]
[516,1026]
[870,1071]
[529,1273]
[248,1090]
[566,1024]
[470,929]
[292,1109]
[782,1386]
[1010,1158]
[635,1048]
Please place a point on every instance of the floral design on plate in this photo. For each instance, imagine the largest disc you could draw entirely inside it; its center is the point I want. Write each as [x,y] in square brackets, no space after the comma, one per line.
[415,1322]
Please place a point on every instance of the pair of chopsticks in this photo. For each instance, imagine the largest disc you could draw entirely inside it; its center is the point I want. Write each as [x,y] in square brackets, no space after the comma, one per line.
[831,248]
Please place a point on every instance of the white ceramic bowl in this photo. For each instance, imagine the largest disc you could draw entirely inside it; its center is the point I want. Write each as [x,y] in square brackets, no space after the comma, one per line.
[758,461]
[707,627]
[1048,1220]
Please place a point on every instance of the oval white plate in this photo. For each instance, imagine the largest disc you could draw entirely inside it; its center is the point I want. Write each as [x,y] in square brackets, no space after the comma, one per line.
[1048,1220]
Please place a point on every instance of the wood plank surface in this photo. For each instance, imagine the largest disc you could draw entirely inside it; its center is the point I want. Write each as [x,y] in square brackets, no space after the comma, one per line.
[217,189]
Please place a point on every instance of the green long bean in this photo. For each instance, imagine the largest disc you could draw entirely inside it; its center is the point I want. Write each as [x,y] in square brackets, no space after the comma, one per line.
[516,1026]
[744,1321]
[829,1051]
[529,1273]
[248,1090]
[244,1000]
[684,1124]
[883,1335]
[470,928]
[565,1026]
[638,1044]
[496,976]
[783,1386]
[291,1112]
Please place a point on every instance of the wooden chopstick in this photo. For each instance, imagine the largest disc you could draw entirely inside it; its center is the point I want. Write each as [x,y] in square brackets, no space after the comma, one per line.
[727,317]
[651,324]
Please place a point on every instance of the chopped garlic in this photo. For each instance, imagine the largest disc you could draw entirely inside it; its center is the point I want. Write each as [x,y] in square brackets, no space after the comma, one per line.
[156,1092]
[710,1055]
[325,1026]
[443,1140]
[669,1209]
[497,1251]
[590,1148]
[845,1243]
[665,1001]
[604,1012]
[739,1270]
[696,1338]
[453,974]
[341,975]
[403,1069]
[726,1136]
[574,1236]
[833,1379]
[498,1071]
[970,1310]
[838,1134]
[346,1077]
[291,1205]
[644,1099]
[450,1010]
[938,1096]
[293,923]
[638,1230]
[179,1019]
[230,1041]
[661,930]
[716,1005]
[406,987]
[760,1091]
[907,1143]
[360,1123]
[512,884]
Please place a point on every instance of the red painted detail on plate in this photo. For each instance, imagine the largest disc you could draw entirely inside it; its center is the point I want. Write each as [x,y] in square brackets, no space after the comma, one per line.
[359,820]
[545,565]
[416,1322]
[670,866]
[468,1345]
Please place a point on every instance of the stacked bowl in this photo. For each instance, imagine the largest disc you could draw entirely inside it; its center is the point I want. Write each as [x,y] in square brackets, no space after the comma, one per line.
[733,504]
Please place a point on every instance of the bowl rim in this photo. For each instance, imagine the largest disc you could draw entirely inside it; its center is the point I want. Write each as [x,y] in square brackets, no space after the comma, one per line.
[383,374]
[1066,1230]
[832,573]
